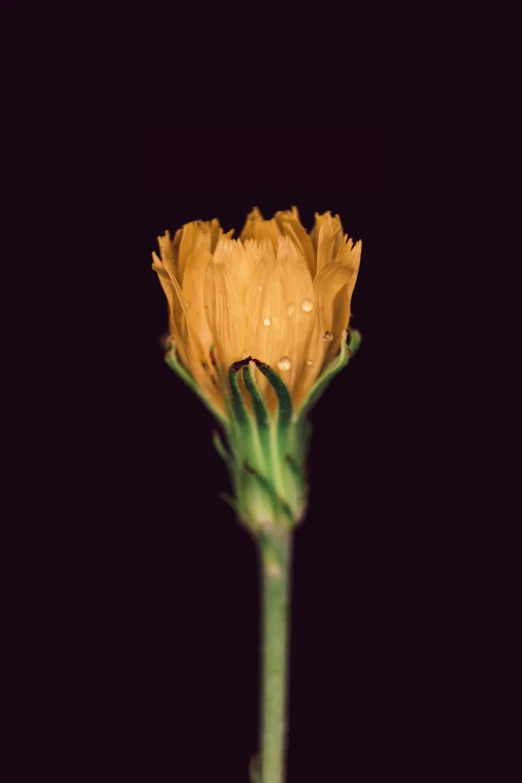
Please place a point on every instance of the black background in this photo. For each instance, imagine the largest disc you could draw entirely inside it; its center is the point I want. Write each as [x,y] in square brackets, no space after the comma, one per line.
[400,121]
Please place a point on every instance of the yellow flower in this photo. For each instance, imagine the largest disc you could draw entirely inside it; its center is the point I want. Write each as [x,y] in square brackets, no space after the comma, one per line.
[277,294]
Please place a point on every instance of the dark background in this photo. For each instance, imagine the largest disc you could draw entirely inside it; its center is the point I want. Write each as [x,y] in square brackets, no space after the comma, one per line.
[401,121]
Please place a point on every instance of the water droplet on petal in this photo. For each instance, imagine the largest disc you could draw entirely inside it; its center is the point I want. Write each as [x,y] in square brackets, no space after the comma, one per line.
[327,336]
[307,305]
[309,362]
[284,363]
[267,321]
[260,288]
[291,309]
[245,356]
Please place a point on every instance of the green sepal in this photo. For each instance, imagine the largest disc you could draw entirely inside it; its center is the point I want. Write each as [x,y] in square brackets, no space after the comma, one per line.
[265,467]
[354,342]
[279,503]
[303,436]
[295,468]
[260,409]
[280,441]
[281,390]
[348,350]
[238,406]
[174,363]
[262,416]
[263,424]
[220,447]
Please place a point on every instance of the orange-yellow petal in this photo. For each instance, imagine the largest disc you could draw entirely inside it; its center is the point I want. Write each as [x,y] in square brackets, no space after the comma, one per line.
[325,342]
[194,235]
[169,251]
[224,302]
[259,229]
[290,225]
[266,313]
[327,238]
[341,310]
[194,293]
[298,288]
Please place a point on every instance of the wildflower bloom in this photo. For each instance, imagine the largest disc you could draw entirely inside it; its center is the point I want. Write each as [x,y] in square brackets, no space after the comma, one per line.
[257,328]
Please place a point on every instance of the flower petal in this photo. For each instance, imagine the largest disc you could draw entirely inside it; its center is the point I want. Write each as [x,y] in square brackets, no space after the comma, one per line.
[326,237]
[169,251]
[216,232]
[225,304]
[267,315]
[342,301]
[196,236]
[290,225]
[194,293]
[244,256]
[259,229]
[298,287]
[167,277]
[327,285]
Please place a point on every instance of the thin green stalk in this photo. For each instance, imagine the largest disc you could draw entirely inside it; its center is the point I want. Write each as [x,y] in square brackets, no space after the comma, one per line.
[275,555]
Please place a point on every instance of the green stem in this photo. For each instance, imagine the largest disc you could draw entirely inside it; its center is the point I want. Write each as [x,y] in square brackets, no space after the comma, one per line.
[275,578]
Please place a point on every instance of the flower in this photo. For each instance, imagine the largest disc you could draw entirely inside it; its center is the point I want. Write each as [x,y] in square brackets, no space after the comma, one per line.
[270,309]
[277,294]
